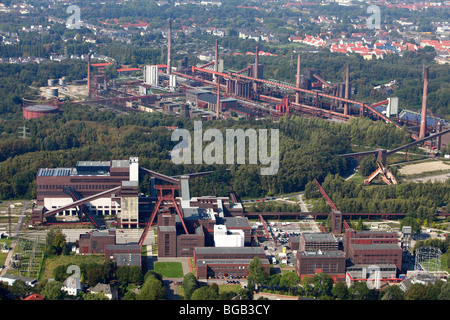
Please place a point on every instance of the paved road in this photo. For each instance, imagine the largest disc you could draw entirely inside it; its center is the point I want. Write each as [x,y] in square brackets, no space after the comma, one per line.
[22,217]
[281,197]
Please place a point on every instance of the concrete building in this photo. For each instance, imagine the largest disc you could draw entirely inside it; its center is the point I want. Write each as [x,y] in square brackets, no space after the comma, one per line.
[228,238]
[151,75]
[376,274]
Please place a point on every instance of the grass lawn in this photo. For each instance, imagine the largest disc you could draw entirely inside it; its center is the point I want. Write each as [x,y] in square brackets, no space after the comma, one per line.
[229,287]
[52,262]
[169,269]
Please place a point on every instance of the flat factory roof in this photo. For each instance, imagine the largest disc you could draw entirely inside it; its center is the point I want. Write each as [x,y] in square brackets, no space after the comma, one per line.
[230,250]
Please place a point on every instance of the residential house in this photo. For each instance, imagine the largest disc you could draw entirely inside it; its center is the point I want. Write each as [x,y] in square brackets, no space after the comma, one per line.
[72,286]
[107,290]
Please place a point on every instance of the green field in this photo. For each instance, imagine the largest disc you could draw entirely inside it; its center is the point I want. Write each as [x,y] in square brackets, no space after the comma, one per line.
[169,269]
[52,262]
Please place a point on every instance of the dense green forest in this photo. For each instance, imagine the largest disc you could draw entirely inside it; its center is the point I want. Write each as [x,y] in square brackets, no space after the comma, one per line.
[420,200]
[309,148]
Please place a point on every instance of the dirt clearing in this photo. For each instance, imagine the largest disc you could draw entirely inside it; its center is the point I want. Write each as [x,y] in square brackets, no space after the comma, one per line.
[419,168]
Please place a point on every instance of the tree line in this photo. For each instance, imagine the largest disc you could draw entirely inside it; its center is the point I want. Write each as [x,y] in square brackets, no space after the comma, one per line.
[309,148]
[418,200]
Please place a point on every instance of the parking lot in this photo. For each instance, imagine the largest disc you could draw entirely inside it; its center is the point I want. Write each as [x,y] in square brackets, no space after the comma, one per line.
[283,231]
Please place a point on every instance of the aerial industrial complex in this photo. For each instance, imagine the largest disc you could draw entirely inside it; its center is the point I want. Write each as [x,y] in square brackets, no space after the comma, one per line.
[210,91]
[213,231]
[216,231]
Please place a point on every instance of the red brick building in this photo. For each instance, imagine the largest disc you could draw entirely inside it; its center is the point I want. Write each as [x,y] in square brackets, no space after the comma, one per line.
[173,241]
[218,268]
[218,262]
[372,247]
[95,242]
[310,263]
[317,241]
[124,254]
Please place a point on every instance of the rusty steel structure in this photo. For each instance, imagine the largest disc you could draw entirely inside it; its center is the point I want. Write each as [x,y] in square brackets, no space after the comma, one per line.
[236,83]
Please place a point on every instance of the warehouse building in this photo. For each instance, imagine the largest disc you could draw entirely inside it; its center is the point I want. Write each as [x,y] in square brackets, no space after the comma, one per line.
[124,254]
[317,241]
[223,262]
[310,263]
[59,187]
[372,247]
[95,242]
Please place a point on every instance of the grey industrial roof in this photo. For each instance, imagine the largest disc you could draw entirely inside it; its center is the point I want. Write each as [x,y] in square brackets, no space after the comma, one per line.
[208,97]
[254,250]
[376,246]
[41,108]
[327,254]
[197,91]
[101,234]
[227,261]
[243,110]
[93,163]
[128,259]
[123,246]
[120,163]
[232,222]
[319,237]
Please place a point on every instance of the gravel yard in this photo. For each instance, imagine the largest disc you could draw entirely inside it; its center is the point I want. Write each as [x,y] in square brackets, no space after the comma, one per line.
[419,168]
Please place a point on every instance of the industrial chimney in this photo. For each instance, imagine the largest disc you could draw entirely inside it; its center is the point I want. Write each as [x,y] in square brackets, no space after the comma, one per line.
[169,48]
[216,61]
[347,88]
[89,75]
[255,71]
[297,81]
[423,120]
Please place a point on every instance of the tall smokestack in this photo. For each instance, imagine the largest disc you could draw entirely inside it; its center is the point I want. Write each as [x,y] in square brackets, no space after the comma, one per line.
[297,81]
[89,75]
[347,88]
[216,60]
[439,139]
[169,48]
[255,70]
[423,120]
